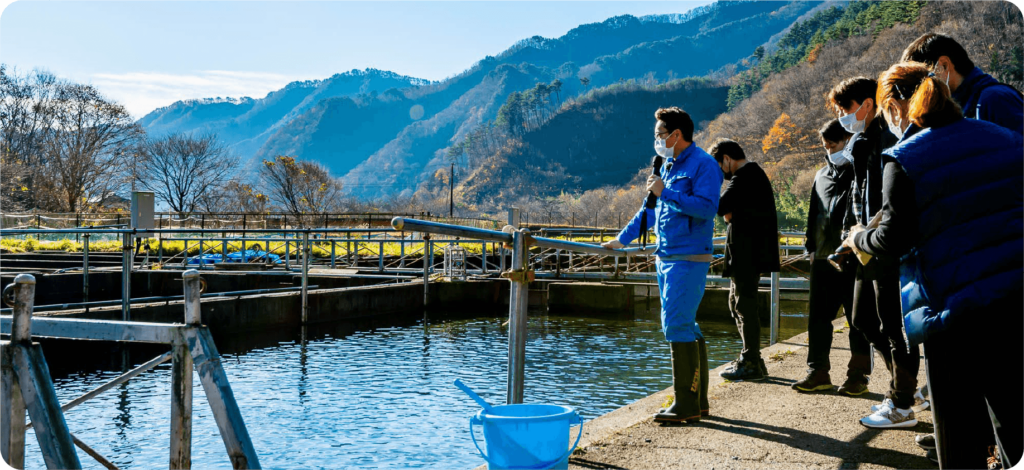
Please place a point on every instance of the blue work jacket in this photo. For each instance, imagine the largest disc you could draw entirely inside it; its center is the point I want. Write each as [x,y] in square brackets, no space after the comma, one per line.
[684,217]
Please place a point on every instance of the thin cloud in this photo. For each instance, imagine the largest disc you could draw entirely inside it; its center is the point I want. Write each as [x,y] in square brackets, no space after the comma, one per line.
[142,92]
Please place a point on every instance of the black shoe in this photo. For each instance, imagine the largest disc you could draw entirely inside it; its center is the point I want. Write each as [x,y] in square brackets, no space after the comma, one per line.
[932,455]
[925,441]
[816,380]
[854,386]
[764,367]
[745,370]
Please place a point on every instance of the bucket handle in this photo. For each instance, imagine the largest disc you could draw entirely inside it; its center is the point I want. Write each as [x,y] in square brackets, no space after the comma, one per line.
[474,420]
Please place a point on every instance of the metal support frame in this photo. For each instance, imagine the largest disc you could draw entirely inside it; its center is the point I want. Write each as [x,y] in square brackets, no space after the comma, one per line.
[24,368]
[126,278]
[27,385]
[306,252]
[518,301]
[774,309]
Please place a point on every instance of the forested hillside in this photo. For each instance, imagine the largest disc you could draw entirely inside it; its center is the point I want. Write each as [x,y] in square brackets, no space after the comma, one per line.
[777,104]
[777,125]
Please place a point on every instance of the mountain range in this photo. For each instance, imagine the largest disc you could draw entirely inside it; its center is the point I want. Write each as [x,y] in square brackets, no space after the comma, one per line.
[385,133]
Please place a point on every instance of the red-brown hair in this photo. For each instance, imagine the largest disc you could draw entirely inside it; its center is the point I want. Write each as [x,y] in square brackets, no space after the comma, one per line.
[930,104]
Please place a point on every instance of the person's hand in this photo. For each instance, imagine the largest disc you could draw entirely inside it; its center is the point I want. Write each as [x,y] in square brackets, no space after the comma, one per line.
[614,244]
[655,185]
[848,241]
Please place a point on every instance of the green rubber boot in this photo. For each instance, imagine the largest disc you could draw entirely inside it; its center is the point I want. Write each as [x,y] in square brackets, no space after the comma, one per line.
[686,382]
[702,349]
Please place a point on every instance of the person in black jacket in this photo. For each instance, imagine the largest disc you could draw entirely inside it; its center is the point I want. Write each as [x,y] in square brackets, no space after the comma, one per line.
[876,294]
[831,289]
[752,248]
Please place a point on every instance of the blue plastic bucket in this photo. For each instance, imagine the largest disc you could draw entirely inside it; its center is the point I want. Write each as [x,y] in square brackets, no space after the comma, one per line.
[527,436]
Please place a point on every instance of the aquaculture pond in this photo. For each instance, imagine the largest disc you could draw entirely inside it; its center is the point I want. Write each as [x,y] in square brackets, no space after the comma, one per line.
[363,395]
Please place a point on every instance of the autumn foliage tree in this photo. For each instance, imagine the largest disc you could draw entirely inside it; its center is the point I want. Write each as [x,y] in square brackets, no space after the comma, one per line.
[300,186]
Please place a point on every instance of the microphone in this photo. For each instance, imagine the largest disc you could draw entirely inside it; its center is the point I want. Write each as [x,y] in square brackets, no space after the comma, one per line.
[651,200]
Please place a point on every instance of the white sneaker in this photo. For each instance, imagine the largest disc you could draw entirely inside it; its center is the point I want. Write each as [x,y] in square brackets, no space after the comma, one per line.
[885,405]
[890,418]
[921,402]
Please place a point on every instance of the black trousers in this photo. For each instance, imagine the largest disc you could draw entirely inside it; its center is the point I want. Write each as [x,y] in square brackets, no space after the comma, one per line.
[831,289]
[743,305]
[878,315]
[976,387]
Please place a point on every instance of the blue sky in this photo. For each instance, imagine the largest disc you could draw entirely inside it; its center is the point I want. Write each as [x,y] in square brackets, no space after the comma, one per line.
[147,54]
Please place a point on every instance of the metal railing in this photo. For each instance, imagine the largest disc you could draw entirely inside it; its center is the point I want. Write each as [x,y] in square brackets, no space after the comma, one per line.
[28,387]
[521,274]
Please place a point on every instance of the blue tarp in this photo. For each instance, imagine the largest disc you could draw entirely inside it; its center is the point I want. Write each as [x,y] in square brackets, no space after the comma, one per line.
[237,257]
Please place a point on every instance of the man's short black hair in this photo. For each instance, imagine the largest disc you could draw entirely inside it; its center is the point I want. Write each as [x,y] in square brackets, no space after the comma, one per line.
[930,46]
[675,118]
[727,147]
[847,91]
[833,131]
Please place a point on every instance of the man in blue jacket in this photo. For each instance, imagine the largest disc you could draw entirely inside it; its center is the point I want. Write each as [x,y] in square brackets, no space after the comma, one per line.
[687,193]
[980,95]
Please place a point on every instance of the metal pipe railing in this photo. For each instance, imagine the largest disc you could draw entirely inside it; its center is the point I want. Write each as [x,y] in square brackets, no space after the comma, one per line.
[165,298]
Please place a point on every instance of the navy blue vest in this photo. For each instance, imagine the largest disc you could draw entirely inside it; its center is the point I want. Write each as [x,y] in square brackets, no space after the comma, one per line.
[969,190]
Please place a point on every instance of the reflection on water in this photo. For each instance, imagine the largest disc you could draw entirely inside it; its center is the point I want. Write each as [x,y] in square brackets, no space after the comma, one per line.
[351,395]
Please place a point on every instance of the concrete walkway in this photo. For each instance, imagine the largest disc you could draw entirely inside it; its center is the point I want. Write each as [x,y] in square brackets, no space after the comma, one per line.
[760,424]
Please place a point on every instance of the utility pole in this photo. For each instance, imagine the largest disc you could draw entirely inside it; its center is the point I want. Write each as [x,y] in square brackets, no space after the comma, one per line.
[451,192]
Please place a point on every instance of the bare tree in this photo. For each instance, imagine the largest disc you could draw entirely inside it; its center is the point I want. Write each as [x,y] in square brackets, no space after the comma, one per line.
[242,197]
[83,153]
[25,105]
[182,169]
[300,186]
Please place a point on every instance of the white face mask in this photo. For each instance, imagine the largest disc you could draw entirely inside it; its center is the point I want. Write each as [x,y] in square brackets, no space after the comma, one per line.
[897,130]
[851,123]
[661,149]
[838,158]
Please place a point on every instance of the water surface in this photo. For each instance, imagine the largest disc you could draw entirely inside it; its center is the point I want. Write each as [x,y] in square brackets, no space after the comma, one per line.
[355,395]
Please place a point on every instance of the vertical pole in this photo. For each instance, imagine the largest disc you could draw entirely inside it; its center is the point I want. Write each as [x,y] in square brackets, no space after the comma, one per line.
[380,257]
[85,268]
[774,336]
[401,259]
[426,272]
[36,386]
[483,257]
[305,276]
[126,278]
[333,258]
[243,224]
[160,250]
[287,252]
[181,379]
[558,263]
[24,298]
[12,411]
[201,261]
[430,244]
[517,319]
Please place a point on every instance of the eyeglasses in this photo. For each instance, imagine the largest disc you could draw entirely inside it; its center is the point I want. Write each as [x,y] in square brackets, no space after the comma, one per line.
[658,135]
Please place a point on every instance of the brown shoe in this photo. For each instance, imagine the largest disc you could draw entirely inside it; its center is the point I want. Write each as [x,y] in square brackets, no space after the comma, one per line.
[816,380]
[854,387]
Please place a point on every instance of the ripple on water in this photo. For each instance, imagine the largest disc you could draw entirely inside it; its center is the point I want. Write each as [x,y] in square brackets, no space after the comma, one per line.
[381,397]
